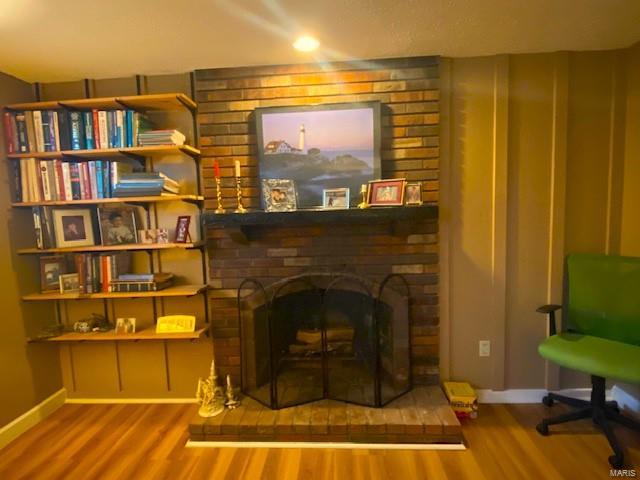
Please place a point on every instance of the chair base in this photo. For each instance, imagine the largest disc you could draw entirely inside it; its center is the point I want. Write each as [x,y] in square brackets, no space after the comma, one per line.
[598,409]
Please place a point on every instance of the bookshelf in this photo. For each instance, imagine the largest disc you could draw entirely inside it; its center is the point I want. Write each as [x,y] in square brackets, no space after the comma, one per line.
[149,157]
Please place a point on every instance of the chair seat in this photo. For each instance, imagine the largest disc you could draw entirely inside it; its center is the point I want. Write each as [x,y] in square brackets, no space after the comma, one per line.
[593,355]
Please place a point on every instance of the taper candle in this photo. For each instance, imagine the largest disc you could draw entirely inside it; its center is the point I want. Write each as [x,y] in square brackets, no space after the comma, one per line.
[216,168]
[238,168]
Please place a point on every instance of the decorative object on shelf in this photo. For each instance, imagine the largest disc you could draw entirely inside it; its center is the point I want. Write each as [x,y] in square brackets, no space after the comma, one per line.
[216,171]
[176,324]
[125,325]
[51,268]
[240,208]
[279,195]
[117,225]
[364,193]
[210,395]
[153,235]
[93,323]
[386,193]
[335,198]
[69,283]
[413,193]
[232,399]
[182,229]
[73,227]
[320,147]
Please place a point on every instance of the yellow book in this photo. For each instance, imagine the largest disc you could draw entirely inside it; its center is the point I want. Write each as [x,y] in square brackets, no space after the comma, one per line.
[462,398]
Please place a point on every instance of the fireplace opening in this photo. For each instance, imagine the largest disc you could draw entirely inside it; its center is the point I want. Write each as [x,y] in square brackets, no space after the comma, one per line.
[321,335]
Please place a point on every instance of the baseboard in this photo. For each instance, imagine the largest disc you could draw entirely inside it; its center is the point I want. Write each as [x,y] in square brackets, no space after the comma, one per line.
[24,422]
[327,445]
[130,400]
[533,395]
[626,401]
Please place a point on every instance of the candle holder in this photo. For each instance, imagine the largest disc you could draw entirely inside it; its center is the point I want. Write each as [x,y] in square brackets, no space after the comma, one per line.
[240,208]
[219,195]
[363,192]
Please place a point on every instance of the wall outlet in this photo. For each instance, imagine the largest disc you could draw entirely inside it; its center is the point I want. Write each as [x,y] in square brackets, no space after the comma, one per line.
[484,347]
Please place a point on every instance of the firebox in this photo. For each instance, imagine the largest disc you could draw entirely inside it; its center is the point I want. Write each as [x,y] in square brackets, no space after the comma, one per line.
[325,335]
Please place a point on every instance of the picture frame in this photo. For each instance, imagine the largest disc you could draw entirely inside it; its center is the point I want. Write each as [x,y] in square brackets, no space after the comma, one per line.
[51,267]
[73,227]
[182,229]
[69,283]
[386,193]
[117,225]
[279,195]
[413,193]
[154,235]
[125,326]
[335,198]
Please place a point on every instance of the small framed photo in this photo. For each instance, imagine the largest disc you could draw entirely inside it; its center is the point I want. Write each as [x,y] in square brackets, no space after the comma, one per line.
[157,235]
[125,325]
[413,193]
[73,227]
[182,229]
[117,225]
[386,193]
[69,283]
[279,195]
[335,198]
[50,270]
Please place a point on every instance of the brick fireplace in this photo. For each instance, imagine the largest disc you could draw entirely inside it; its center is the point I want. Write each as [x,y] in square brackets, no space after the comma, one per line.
[408,91]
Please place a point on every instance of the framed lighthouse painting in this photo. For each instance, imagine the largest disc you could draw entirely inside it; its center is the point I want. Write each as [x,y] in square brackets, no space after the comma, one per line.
[320,147]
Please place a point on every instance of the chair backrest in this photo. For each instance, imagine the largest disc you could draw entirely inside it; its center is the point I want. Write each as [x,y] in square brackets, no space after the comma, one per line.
[603,297]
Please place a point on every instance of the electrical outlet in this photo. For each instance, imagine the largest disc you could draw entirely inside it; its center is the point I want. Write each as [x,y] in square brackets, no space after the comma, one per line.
[484,348]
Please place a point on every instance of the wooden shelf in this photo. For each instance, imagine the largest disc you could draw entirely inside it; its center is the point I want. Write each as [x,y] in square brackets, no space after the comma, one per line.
[113,153]
[97,201]
[111,336]
[175,291]
[113,248]
[164,101]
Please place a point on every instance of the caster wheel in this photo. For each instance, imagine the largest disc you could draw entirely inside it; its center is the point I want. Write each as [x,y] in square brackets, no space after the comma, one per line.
[616,461]
[613,406]
[547,400]
[542,429]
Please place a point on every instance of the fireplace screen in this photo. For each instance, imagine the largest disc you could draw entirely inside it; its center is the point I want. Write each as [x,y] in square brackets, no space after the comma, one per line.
[319,336]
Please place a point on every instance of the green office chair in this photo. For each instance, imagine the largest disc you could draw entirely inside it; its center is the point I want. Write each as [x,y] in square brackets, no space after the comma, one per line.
[601,338]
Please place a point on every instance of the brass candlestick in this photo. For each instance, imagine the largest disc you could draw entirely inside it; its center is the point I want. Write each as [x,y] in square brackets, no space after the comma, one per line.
[240,208]
[219,195]
[363,192]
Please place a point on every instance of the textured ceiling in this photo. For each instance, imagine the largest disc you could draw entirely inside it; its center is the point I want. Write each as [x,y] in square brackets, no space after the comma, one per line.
[54,40]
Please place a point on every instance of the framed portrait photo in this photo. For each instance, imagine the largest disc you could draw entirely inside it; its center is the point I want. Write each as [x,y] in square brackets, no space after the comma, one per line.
[335,198]
[69,283]
[51,268]
[117,225]
[413,193]
[125,325]
[182,229]
[386,193]
[73,227]
[279,195]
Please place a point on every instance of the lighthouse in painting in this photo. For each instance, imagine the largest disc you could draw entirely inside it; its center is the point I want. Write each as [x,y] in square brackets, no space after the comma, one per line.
[301,138]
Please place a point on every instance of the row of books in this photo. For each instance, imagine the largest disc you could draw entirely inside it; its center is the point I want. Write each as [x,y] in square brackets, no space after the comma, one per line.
[142,184]
[59,130]
[97,271]
[147,282]
[161,137]
[57,180]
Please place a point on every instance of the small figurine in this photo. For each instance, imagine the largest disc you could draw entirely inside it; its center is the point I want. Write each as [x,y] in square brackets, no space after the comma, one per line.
[232,401]
[209,395]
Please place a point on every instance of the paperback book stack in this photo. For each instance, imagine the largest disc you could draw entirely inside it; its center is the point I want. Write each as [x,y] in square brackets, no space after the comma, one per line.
[161,137]
[60,130]
[143,184]
[142,282]
[96,272]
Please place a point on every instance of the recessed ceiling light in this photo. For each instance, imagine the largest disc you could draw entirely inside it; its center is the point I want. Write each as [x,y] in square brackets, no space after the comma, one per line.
[306,44]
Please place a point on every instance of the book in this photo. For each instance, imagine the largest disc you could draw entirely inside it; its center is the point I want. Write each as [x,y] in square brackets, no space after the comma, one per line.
[8,133]
[87,121]
[31,131]
[37,125]
[144,277]
[64,130]
[95,118]
[21,127]
[103,129]
[56,130]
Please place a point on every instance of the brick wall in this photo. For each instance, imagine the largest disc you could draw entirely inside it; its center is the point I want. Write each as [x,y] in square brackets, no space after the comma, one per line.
[408,90]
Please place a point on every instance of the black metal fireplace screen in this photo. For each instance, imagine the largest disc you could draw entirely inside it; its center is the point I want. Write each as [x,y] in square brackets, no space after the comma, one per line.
[324,335]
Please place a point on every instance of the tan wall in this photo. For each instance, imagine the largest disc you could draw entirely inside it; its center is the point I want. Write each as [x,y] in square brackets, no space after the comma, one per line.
[532,168]
[29,373]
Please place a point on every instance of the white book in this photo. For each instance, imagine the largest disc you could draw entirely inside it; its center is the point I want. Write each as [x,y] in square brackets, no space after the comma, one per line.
[37,126]
[24,180]
[120,128]
[44,179]
[103,128]
[56,130]
[56,194]
[66,178]
[35,179]
[93,179]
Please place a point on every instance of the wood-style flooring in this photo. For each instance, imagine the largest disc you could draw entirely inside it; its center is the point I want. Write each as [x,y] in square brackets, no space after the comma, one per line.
[147,441]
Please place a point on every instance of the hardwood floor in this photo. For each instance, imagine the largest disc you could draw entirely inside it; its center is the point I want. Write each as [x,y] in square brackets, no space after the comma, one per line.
[147,441]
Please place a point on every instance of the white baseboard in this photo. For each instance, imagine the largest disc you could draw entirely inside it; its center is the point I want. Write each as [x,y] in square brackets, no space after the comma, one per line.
[533,395]
[130,400]
[24,422]
[331,445]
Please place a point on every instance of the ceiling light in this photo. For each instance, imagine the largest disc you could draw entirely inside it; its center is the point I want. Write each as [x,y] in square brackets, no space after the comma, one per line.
[306,44]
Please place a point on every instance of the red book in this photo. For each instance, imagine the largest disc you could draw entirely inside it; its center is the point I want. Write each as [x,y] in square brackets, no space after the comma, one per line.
[80,268]
[104,265]
[8,134]
[61,191]
[96,129]
[86,181]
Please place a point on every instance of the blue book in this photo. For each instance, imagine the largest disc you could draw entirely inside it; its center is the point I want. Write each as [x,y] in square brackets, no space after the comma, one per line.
[87,118]
[111,122]
[129,127]
[100,178]
[77,131]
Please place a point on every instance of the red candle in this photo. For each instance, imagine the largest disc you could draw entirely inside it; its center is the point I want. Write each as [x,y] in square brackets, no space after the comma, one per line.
[216,168]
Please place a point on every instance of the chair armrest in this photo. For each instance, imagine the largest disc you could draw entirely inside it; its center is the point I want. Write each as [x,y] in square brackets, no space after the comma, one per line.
[550,311]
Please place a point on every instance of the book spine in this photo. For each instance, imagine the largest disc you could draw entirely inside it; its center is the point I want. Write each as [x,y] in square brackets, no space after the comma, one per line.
[104,129]
[129,125]
[24,179]
[56,130]
[37,127]
[66,181]
[93,179]
[46,131]
[120,140]
[23,141]
[37,227]
[76,191]
[76,131]
[8,133]
[61,191]
[44,179]
[88,265]
[86,181]
[104,272]
[100,178]
[96,128]
[107,179]
[87,118]
[111,119]
[52,179]
[17,181]
[14,132]
[64,130]
[47,228]
[79,261]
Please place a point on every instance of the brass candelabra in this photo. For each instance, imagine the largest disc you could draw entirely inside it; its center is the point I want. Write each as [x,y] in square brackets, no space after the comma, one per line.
[363,192]
[219,195]
[240,208]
